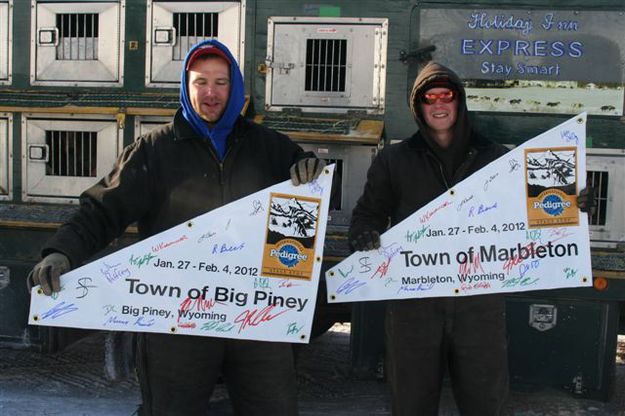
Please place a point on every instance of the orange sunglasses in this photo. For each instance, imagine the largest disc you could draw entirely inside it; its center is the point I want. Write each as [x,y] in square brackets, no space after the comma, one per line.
[445,97]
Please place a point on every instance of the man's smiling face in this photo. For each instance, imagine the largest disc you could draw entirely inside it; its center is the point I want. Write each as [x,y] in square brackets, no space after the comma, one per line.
[209,87]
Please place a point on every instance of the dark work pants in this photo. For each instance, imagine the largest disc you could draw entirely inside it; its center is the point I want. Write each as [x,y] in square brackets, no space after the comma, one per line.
[177,374]
[466,335]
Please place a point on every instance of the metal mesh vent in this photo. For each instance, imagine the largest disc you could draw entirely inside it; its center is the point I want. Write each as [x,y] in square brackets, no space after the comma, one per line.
[78,36]
[294,123]
[326,61]
[599,180]
[192,28]
[71,153]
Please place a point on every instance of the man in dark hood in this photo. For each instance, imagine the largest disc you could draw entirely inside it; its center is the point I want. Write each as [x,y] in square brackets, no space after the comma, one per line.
[424,337]
[443,125]
[465,336]
[208,156]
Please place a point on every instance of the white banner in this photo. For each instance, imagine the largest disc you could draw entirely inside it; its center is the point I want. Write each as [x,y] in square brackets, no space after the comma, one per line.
[247,270]
[512,226]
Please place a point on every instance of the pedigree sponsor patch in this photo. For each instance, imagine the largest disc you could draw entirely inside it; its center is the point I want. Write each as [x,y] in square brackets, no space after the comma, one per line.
[289,249]
[551,185]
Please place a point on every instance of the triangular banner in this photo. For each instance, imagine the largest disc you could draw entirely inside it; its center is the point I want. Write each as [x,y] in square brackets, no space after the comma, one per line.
[512,226]
[247,270]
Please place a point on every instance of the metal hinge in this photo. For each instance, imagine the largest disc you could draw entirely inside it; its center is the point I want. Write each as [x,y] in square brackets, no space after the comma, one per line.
[420,55]
[283,67]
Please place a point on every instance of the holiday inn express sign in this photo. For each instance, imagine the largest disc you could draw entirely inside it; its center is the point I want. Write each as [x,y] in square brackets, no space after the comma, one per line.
[539,60]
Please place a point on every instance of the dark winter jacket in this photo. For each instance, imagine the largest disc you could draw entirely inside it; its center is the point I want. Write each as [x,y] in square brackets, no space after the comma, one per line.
[406,176]
[171,175]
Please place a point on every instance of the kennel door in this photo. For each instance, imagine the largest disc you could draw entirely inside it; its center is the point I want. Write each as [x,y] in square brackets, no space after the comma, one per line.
[77,43]
[172,28]
[326,64]
[6,41]
[63,156]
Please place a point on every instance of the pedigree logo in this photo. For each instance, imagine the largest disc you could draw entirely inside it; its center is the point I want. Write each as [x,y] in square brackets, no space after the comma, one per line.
[552,204]
[551,186]
[291,234]
[288,253]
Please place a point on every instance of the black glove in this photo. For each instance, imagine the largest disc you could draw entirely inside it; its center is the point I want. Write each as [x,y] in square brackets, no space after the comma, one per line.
[367,240]
[47,272]
[586,200]
[306,170]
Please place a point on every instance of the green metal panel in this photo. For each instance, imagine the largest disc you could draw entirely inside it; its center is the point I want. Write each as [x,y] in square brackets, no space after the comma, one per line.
[14,300]
[18,253]
[517,128]
[24,229]
[134,60]
[532,3]
[17,157]
[565,356]
[21,44]
[614,292]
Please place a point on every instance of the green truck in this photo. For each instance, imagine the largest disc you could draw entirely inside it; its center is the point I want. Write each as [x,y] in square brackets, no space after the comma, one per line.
[81,79]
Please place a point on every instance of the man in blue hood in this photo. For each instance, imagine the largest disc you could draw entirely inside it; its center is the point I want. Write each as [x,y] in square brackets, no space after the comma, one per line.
[214,96]
[208,156]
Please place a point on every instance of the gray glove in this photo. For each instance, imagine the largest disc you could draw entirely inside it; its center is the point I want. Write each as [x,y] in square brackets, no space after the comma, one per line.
[586,200]
[46,273]
[367,240]
[306,170]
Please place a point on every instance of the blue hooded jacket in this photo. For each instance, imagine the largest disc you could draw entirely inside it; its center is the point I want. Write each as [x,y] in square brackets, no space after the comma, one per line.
[219,133]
